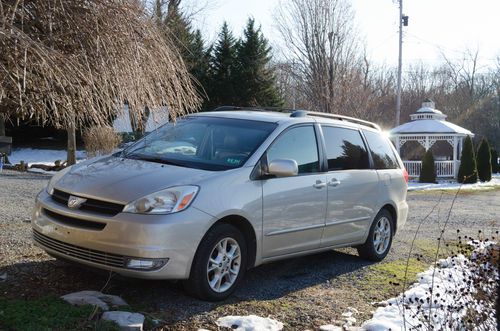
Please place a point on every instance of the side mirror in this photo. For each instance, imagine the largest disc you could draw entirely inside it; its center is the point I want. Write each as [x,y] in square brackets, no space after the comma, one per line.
[283,168]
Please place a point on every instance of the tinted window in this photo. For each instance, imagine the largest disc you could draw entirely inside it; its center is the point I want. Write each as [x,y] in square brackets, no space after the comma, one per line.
[345,149]
[382,153]
[298,144]
[209,143]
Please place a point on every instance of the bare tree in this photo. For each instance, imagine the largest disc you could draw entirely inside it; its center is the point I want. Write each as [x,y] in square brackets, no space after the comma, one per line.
[73,63]
[322,43]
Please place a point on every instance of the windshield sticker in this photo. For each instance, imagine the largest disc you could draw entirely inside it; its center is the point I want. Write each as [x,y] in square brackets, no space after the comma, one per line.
[232,161]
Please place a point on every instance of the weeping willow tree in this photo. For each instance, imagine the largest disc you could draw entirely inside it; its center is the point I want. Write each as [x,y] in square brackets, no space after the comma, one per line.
[74,63]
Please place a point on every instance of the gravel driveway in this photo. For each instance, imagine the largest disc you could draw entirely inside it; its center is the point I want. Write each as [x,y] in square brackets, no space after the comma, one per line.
[302,292]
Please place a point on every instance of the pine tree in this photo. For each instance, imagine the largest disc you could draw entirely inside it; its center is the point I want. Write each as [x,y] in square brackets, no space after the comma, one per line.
[494,161]
[199,60]
[428,172]
[467,173]
[484,161]
[256,81]
[222,70]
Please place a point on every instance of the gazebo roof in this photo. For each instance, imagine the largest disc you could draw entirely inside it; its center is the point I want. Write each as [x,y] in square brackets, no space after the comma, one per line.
[428,120]
[430,126]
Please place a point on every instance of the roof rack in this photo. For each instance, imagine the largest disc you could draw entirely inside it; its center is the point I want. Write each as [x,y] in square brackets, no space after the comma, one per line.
[278,109]
[341,118]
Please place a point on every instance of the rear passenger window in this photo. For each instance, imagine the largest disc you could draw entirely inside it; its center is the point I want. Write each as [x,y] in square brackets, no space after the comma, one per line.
[298,144]
[345,149]
[382,152]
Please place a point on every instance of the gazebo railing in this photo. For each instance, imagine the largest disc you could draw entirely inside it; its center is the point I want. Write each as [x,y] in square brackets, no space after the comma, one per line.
[443,168]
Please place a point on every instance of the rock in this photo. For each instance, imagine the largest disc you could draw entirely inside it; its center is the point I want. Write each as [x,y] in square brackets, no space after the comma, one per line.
[330,327]
[94,298]
[3,277]
[127,321]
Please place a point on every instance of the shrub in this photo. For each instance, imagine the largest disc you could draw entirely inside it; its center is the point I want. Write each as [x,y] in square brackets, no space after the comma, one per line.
[428,172]
[100,140]
[483,160]
[494,161]
[467,173]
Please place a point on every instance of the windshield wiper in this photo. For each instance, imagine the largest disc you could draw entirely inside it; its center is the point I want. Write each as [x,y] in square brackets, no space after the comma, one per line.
[155,159]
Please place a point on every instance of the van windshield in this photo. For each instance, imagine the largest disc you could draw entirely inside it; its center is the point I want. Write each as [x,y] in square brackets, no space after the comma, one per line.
[203,142]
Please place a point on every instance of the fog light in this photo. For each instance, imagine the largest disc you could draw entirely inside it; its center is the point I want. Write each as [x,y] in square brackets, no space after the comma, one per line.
[145,264]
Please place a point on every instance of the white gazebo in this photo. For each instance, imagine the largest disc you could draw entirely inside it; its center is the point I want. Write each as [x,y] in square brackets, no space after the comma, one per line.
[428,129]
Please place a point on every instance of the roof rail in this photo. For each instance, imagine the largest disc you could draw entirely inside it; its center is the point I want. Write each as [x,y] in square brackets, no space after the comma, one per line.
[344,118]
[256,108]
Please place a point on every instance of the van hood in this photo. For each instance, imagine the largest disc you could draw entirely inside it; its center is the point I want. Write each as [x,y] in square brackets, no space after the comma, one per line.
[123,180]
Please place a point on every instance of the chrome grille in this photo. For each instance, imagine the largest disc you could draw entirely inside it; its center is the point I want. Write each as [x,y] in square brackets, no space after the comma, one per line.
[92,205]
[81,253]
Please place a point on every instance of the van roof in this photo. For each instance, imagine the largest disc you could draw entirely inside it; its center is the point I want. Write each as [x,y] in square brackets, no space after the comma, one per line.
[296,116]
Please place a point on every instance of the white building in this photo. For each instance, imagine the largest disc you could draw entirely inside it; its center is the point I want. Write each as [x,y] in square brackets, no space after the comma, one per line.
[428,129]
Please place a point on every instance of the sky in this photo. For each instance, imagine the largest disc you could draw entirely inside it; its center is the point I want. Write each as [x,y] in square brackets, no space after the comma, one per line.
[436,27]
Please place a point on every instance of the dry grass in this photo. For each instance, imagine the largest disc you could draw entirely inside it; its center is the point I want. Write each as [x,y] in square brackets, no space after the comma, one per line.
[77,62]
[100,140]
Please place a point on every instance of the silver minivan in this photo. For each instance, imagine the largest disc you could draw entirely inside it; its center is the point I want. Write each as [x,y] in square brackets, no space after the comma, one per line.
[214,194]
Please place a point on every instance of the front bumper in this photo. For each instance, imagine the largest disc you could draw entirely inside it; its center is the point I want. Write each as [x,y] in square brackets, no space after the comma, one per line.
[174,237]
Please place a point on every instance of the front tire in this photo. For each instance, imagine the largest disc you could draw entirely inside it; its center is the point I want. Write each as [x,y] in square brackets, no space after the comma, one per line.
[379,239]
[219,264]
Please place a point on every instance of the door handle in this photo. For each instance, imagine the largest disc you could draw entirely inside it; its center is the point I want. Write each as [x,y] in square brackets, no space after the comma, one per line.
[319,184]
[334,182]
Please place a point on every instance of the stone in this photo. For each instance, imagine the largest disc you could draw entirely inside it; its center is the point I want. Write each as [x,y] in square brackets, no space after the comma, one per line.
[330,327]
[3,277]
[94,298]
[127,321]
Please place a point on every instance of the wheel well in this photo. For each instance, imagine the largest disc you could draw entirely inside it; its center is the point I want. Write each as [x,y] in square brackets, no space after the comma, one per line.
[248,231]
[392,210]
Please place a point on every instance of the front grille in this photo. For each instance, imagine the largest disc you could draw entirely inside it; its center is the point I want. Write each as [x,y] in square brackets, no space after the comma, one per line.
[71,221]
[86,254]
[92,205]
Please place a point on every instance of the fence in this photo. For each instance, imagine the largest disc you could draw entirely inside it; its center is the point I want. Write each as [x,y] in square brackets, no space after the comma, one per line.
[443,168]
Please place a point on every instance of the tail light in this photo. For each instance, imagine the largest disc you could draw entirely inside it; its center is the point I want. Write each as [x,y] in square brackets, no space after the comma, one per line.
[405,175]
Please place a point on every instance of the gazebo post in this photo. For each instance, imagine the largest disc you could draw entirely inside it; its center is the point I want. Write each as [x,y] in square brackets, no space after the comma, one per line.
[398,148]
[455,160]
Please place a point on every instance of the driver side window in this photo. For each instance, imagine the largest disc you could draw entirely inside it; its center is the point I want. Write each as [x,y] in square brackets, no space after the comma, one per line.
[298,144]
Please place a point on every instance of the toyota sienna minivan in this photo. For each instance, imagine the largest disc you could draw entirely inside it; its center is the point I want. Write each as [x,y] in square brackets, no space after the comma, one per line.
[214,194]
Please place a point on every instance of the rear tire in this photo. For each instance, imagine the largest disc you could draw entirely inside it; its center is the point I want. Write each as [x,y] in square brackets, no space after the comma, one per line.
[379,239]
[219,264]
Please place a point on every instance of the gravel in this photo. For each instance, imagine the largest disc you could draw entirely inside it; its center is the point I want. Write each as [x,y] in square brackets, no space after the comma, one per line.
[302,293]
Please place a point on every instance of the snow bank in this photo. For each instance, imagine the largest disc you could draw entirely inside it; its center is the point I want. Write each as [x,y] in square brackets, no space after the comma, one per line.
[40,156]
[444,293]
[446,185]
[249,323]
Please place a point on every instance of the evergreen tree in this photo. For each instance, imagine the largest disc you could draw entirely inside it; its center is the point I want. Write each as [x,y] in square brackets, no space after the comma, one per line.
[467,173]
[189,43]
[222,70]
[256,81]
[484,161]
[428,172]
[494,161]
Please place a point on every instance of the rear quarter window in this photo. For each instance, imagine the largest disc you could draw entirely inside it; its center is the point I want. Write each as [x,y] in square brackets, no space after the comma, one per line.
[382,153]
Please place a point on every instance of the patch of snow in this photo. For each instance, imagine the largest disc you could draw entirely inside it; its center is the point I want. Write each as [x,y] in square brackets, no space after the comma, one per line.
[41,156]
[440,293]
[125,320]
[449,185]
[330,327]
[249,323]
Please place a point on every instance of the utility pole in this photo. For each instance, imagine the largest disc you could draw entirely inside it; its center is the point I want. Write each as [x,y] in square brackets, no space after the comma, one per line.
[400,63]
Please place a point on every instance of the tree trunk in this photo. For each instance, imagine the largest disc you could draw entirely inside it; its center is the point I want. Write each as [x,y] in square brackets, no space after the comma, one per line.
[71,157]
[2,125]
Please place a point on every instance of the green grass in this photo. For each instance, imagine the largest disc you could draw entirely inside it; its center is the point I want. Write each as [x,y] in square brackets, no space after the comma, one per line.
[386,279]
[48,313]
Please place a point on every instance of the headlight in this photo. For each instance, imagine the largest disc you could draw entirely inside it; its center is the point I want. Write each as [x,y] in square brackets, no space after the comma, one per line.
[171,200]
[53,181]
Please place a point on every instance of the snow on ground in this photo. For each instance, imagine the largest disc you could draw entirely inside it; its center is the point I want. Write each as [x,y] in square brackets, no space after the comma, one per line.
[40,156]
[453,185]
[446,293]
[249,323]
